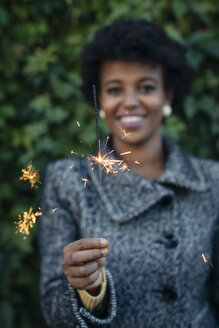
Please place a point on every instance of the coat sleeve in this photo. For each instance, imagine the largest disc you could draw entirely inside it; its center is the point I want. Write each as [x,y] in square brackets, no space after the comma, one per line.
[61,305]
[215,260]
[215,272]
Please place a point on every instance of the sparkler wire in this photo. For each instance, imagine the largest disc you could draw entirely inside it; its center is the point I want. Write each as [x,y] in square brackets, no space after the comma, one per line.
[96,113]
[98,139]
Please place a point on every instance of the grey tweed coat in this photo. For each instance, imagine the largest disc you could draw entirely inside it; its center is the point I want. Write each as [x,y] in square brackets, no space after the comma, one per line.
[157,232]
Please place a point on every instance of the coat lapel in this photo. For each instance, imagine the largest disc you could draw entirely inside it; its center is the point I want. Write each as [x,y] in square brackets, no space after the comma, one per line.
[126,195]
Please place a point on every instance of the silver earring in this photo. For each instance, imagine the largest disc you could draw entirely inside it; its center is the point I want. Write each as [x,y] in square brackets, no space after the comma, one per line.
[167,110]
[102,114]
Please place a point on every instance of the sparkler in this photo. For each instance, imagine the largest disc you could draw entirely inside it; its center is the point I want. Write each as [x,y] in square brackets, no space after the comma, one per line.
[30,174]
[105,161]
[26,222]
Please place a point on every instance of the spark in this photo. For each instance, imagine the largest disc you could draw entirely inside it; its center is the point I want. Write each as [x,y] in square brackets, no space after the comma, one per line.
[30,174]
[136,162]
[73,152]
[204,258]
[126,134]
[211,265]
[55,209]
[78,124]
[85,181]
[107,139]
[126,153]
[27,221]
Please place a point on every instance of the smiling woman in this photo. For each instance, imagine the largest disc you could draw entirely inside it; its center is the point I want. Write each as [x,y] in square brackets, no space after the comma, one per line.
[132,96]
[157,218]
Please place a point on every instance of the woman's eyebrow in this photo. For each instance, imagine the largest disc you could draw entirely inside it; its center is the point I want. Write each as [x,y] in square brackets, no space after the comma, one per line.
[148,79]
[112,81]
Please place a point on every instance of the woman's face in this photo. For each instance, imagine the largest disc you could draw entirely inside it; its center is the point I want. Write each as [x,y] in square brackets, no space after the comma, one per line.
[132,95]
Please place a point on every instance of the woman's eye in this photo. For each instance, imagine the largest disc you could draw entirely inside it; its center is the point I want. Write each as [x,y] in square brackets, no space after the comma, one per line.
[114,91]
[147,88]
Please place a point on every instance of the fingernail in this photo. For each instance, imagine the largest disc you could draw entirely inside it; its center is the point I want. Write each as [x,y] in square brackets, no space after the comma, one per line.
[104,251]
[103,242]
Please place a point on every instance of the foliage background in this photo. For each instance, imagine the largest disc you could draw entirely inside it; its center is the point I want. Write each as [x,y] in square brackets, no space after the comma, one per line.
[41,102]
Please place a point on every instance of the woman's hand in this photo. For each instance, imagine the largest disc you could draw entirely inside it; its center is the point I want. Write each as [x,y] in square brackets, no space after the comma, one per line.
[83,261]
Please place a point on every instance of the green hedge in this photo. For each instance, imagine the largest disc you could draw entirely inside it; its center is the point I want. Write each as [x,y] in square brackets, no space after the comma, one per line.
[41,43]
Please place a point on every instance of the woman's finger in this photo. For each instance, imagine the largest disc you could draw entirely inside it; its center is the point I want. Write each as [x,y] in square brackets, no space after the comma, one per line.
[85,270]
[86,243]
[83,283]
[101,262]
[77,258]
[97,283]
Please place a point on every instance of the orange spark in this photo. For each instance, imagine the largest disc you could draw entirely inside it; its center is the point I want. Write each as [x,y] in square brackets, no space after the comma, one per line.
[55,209]
[126,153]
[211,265]
[30,174]
[126,134]
[204,258]
[85,181]
[73,152]
[107,139]
[25,223]
[71,166]
[78,124]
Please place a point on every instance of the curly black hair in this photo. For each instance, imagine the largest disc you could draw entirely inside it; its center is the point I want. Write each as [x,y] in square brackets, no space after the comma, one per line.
[137,40]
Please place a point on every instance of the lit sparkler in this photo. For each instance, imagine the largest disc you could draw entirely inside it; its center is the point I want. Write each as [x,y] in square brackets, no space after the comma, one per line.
[105,161]
[27,221]
[55,209]
[30,174]
[109,164]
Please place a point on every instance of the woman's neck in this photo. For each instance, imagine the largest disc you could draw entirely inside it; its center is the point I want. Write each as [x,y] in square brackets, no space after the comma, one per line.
[146,160]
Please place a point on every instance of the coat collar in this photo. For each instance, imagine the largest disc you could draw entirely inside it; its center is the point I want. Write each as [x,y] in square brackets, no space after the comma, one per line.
[126,194]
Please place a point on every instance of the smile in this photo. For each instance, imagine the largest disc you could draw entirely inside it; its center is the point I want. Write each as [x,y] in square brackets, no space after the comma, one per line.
[132,121]
[128,119]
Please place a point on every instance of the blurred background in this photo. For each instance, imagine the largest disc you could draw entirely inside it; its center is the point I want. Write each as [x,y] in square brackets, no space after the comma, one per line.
[41,103]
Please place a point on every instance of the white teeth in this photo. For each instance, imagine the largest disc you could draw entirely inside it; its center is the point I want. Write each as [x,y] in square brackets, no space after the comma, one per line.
[128,119]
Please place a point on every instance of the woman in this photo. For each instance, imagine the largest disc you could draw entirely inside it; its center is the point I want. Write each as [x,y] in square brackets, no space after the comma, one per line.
[157,217]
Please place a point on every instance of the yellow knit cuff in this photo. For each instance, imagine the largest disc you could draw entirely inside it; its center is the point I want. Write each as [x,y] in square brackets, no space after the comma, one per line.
[93,302]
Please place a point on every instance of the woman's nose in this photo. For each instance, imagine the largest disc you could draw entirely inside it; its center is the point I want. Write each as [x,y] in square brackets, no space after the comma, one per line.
[130,100]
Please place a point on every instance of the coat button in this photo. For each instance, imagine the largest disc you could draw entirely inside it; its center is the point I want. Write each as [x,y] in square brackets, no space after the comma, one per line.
[170,240]
[169,295]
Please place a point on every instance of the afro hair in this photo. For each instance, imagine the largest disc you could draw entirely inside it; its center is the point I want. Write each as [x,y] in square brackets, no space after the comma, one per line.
[137,40]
